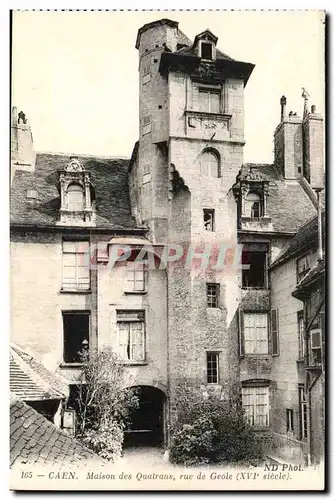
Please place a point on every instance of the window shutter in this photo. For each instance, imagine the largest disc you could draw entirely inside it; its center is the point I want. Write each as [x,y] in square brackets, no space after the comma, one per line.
[274,333]
[241,332]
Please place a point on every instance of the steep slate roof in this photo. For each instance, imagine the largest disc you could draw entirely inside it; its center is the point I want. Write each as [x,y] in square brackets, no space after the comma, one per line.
[34,440]
[110,180]
[288,205]
[31,381]
[306,237]
[190,51]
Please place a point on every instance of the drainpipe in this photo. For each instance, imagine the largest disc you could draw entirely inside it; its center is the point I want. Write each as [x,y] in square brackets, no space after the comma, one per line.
[320,248]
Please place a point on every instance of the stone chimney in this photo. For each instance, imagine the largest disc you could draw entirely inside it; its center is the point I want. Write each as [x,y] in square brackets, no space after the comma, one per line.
[288,140]
[22,150]
[314,149]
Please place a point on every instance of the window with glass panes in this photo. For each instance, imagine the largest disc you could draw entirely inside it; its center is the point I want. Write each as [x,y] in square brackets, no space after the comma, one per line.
[136,273]
[131,335]
[213,294]
[209,164]
[303,414]
[209,100]
[212,368]
[75,198]
[301,330]
[255,402]
[255,333]
[76,270]
[303,266]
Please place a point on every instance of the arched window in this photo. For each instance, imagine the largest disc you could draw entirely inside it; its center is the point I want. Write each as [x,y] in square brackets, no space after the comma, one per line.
[75,198]
[209,164]
[253,205]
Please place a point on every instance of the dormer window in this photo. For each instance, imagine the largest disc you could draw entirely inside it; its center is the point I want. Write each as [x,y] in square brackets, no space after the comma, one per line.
[205,44]
[77,194]
[253,206]
[251,192]
[75,198]
[207,51]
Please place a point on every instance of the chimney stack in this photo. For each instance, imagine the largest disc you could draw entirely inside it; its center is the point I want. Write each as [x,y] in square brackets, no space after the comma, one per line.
[288,143]
[314,149]
[22,150]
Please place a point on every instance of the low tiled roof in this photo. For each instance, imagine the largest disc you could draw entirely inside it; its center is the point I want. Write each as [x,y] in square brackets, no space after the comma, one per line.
[109,177]
[31,381]
[34,440]
[288,205]
[306,237]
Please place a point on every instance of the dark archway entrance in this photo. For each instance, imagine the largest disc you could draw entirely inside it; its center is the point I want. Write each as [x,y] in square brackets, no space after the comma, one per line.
[147,422]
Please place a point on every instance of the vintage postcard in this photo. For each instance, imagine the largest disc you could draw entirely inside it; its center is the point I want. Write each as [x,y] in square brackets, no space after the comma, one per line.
[167,216]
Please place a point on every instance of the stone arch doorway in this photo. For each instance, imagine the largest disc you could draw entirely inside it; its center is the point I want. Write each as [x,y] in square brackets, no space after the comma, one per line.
[147,426]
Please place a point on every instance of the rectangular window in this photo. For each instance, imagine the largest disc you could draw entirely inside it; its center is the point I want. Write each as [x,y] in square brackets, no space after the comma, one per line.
[75,334]
[76,271]
[209,219]
[315,353]
[136,273]
[303,266]
[131,335]
[213,290]
[255,275]
[274,332]
[209,100]
[212,368]
[301,331]
[303,414]
[289,420]
[146,122]
[255,333]
[255,402]
[206,51]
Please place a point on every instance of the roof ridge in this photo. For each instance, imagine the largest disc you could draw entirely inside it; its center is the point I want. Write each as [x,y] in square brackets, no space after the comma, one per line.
[82,155]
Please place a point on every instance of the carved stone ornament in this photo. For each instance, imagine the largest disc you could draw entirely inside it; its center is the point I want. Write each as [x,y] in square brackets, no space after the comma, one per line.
[207,70]
[74,165]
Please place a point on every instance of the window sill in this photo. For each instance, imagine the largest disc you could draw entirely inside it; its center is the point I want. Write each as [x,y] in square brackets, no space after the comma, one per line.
[71,365]
[135,292]
[261,428]
[208,114]
[255,288]
[80,292]
[259,355]
[134,363]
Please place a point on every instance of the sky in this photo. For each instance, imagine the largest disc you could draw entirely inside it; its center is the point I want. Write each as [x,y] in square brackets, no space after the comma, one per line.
[75,74]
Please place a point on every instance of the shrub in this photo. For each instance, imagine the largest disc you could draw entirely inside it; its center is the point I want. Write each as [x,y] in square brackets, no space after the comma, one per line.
[193,444]
[105,440]
[212,431]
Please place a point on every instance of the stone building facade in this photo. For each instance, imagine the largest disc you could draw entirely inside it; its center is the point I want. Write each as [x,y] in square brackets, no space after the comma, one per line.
[185,186]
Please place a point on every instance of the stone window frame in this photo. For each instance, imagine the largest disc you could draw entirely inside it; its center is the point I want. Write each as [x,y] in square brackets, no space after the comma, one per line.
[209,219]
[215,153]
[212,295]
[301,334]
[243,350]
[129,317]
[303,413]
[212,378]
[253,390]
[85,345]
[289,420]
[83,255]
